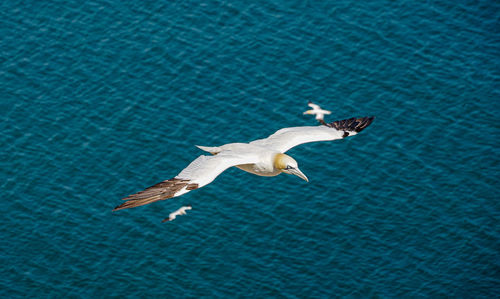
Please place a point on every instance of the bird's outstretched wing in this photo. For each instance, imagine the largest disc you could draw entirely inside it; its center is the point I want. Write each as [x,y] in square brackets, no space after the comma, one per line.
[202,171]
[314,106]
[286,138]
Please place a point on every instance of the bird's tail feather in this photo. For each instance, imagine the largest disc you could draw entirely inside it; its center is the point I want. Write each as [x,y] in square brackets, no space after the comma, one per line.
[214,150]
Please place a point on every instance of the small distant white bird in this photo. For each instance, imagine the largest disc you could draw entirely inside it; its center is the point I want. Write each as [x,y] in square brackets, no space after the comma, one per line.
[316,110]
[263,157]
[181,211]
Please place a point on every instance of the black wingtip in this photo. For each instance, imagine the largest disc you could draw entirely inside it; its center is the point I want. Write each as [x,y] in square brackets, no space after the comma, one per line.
[364,122]
[352,124]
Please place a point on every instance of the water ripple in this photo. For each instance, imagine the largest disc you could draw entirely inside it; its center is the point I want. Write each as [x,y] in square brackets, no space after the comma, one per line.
[101,99]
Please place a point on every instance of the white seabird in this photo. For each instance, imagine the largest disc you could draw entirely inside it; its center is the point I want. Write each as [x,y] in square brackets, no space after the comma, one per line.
[318,111]
[263,157]
[181,211]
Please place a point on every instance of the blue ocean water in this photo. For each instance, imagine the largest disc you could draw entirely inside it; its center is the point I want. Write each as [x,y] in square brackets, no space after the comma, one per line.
[100,99]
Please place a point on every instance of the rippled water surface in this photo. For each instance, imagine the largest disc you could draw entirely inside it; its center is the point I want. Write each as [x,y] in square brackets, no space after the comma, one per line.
[99,99]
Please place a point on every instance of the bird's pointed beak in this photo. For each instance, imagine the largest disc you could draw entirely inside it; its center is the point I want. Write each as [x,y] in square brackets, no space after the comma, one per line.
[299,173]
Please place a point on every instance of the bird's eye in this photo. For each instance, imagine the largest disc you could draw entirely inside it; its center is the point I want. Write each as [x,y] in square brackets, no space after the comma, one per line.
[288,167]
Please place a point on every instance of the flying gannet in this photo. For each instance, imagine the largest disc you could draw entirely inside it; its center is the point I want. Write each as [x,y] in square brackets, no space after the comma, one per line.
[181,211]
[316,110]
[263,157]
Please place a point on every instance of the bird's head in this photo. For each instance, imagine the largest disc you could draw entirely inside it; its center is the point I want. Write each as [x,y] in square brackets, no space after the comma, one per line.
[287,164]
[309,112]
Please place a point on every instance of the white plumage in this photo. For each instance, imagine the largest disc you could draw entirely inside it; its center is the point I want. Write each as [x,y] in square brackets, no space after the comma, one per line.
[263,157]
[316,110]
[181,211]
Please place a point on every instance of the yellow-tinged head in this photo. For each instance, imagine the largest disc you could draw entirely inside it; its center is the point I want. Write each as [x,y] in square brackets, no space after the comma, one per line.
[287,164]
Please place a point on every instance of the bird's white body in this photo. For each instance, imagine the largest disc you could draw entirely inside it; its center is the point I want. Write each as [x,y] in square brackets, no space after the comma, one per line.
[181,211]
[261,169]
[263,157]
[318,111]
[254,159]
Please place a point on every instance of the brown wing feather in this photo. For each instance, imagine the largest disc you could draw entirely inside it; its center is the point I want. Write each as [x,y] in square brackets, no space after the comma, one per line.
[160,191]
